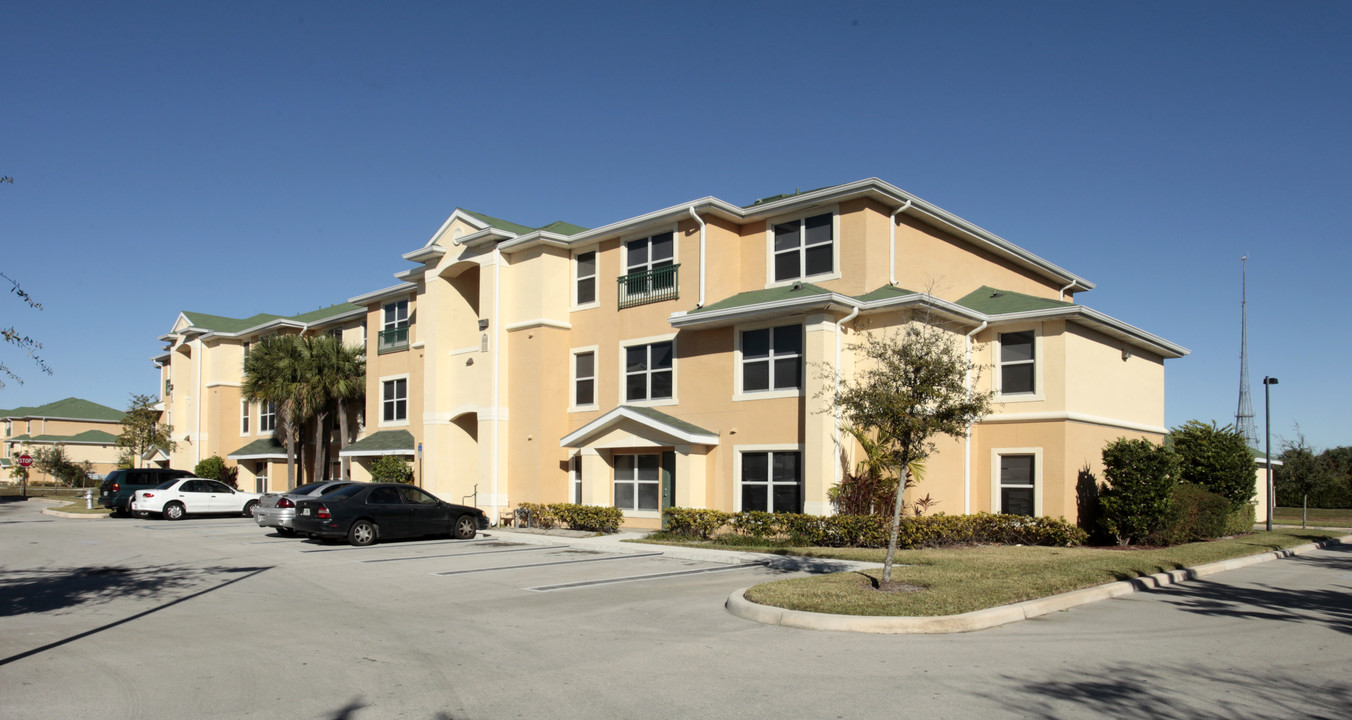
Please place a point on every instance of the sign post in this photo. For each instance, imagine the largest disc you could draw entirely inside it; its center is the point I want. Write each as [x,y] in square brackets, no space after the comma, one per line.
[25,462]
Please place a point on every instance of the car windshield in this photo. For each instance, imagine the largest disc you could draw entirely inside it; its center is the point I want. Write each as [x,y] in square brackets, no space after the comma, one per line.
[304,489]
[335,488]
[166,484]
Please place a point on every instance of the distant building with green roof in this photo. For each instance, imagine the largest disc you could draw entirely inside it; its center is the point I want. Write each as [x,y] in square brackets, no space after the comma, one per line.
[85,430]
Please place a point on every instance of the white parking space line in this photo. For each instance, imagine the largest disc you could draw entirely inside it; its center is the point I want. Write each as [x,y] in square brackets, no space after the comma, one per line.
[649,576]
[402,544]
[548,564]
[465,554]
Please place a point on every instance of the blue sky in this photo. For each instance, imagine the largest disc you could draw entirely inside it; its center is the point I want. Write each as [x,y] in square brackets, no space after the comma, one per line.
[244,157]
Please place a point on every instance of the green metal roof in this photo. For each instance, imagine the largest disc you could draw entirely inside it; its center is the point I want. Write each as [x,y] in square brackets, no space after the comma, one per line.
[385,441]
[88,436]
[768,295]
[665,419]
[222,324]
[563,228]
[72,407]
[499,223]
[268,446]
[324,313]
[885,292]
[991,301]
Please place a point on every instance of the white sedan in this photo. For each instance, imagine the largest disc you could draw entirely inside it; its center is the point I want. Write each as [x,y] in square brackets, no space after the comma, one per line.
[176,499]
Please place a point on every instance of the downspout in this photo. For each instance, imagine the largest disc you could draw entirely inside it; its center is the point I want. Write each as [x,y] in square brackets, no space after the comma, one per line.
[197,446]
[497,411]
[892,243]
[836,413]
[695,215]
[1072,284]
[967,440]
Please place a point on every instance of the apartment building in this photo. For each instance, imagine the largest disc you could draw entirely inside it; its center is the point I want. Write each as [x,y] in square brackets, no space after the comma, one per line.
[87,431]
[681,356]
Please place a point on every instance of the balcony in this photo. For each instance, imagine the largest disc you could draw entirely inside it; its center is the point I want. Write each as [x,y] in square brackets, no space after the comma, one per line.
[649,286]
[392,340]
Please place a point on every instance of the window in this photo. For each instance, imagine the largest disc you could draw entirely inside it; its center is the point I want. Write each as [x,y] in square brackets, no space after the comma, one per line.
[804,247]
[648,371]
[637,478]
[649,253]
[394,335]
[1016,485]
[243,417]
[261,476]
[772,359]
[584,379]
[336,334]
[394,400]
[1017,363]
[650,267]
[577,479]
[772,481]
[586,278]
[267,417]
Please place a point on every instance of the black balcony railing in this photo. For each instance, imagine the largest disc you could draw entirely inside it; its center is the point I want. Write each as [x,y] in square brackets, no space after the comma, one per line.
[392,340]
[648,286]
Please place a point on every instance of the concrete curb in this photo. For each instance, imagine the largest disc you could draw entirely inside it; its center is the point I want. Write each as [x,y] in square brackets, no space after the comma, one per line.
[74,516]
[738,605]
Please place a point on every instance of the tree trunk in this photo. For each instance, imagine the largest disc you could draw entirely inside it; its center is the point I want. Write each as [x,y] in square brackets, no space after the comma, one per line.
[320,446]
[290,452]
[896,526]
[1304,509]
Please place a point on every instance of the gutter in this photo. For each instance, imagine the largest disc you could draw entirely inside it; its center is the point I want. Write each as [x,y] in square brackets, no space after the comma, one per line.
[892,243]
[840,325]
[967,439]
[696,216]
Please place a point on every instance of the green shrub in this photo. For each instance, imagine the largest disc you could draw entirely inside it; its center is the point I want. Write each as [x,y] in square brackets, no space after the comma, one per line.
[594,518]
[1216,459]
[538,515]
[871,531]
[391,468]
[1136,500]
[1240,521]
[1195,514]
[212,468]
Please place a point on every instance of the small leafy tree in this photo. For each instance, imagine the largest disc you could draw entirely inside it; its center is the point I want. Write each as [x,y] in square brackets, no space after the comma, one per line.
[391,468]
[54,462]
[212,468]
[1138,495]
[142,429]
[1215,459]
[1301,474]
[912,388]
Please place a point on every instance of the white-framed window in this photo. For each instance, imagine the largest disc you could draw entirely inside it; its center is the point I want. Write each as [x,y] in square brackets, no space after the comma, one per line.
[267,417]
[648,253]
[583,380]
[336,334]
[396,315]
[803,247]
[770,479]
[1016,481]
[584,279]
[771,360]
[260,476]
[638,480]
[394,400]
[1018,367]
[243,417]
[649,371]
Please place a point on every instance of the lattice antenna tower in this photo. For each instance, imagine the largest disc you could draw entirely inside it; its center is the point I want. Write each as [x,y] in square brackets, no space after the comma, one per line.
[1244,415]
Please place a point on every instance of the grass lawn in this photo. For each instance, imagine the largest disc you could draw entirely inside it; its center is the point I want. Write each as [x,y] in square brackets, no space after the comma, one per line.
[1318,516]
[79,508]
[959,580]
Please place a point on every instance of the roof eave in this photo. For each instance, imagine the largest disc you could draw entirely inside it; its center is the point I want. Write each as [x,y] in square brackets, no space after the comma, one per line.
[1104,323]
[400,289]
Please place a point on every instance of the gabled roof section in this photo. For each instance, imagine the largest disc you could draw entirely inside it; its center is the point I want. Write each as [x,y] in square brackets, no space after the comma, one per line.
[267,448]
[385,442]
[886,292]
[328,313]
[783,293]
[992,301]
[655,420]
[203,323]
[221,324]
[88,437]
[72,408]
[498,223]
[559,227]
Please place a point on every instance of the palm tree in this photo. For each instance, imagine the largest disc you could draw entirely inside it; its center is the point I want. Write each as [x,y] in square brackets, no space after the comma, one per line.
[275,372]
[335,374]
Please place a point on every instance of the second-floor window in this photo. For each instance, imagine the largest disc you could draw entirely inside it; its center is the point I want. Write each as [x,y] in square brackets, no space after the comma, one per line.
[804,247]
[394,400]
[244,417]
[772,359]
[650,270]
[267,416]
[1018,363]
[584,379]
[394,328]
[586,278]
[649,371]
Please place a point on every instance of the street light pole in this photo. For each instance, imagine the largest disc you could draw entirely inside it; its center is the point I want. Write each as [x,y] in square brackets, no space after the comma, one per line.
[1268,382]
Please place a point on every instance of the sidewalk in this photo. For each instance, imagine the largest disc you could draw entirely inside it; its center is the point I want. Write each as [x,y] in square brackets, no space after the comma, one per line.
[738,605]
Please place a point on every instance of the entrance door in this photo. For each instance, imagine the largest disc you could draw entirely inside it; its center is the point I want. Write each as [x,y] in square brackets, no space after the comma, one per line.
[668,485]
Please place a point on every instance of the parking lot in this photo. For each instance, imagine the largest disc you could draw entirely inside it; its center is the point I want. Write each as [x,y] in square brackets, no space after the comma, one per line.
[218,618]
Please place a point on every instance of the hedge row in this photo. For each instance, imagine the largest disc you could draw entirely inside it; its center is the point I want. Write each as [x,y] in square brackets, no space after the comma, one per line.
[592,518]
[871,531]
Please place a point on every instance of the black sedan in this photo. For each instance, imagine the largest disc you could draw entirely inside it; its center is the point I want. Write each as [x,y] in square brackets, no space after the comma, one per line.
[364,513]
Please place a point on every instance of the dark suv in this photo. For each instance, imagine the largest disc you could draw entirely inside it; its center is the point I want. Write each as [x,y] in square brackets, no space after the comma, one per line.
[116,491]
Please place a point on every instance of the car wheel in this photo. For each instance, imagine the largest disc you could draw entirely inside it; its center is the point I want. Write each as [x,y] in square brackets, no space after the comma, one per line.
[249,508]
[119,513]
[362,533]
[174,511]
[465,527]
[285,532]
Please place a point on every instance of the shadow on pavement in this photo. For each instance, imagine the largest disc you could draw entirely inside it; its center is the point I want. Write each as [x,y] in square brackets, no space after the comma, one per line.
[1133,692]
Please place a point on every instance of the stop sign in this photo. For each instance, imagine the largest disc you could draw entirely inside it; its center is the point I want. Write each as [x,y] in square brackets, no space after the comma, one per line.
[25,460]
